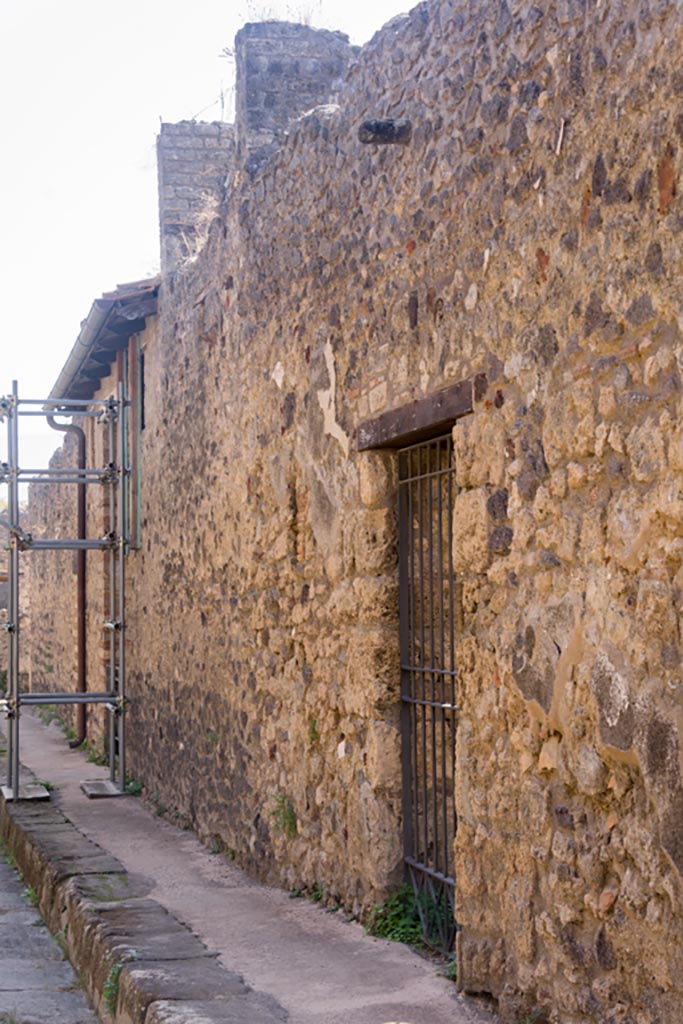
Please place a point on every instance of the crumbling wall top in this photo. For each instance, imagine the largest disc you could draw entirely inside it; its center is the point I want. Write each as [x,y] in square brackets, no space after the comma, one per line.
[283,69]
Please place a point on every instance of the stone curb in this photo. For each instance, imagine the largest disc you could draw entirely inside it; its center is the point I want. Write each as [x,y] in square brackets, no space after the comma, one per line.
[138,964]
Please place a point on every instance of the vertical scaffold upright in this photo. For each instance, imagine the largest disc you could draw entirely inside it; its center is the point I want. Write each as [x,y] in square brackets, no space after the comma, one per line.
[112,415]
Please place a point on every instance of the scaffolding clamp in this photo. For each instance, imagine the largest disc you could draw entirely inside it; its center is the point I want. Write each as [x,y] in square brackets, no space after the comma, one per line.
[110,411]
[10,706]
[113,625]
[110,473]
[5,471]
[9,627]
[24,540]
[110,541]
[117,706]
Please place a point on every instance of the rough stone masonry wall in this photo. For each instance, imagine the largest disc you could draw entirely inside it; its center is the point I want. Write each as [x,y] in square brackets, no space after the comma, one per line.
[530,232]
[282,70]
[48,647]
[192,159]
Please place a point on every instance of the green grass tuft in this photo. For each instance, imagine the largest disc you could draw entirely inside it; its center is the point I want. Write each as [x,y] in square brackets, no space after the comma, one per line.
[397,918]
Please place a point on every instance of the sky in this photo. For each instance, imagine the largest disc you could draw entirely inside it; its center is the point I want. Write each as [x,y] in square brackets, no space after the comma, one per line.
[84,85]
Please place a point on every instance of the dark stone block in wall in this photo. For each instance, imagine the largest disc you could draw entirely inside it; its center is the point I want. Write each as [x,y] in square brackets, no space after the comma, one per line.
[661,749]
[518,137]
[603,951]
[496,109]
[534,470]
[643,186]
[386,131]
[599,177]
[535,683]
[570,240]
[672,828]
[595,315]
[640,311]
[654,261]
[500,540]
[617,193]
[529,93]
[497,505]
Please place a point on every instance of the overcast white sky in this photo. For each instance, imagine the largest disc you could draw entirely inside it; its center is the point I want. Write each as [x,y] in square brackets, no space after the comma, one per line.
[83,87]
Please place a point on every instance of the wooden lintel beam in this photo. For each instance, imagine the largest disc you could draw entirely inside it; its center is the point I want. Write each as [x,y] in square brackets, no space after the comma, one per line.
[419,420]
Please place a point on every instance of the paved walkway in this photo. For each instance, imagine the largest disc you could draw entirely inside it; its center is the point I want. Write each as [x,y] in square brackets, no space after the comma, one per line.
[308,966]
[37,984]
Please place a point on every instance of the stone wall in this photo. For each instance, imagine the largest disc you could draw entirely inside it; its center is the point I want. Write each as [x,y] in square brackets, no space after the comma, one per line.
[282,70]
[193,161]
[529,235]
[48,646]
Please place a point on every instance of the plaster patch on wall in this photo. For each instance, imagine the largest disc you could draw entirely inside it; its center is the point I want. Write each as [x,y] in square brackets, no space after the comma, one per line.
[471,297]
[278,374]
[326,400]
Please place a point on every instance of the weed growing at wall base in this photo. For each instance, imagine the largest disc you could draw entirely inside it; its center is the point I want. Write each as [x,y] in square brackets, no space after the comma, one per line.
[397,918]
[31,895]
[133,786]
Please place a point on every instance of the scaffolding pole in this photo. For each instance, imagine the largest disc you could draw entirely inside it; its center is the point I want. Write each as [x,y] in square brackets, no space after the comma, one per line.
[111,413]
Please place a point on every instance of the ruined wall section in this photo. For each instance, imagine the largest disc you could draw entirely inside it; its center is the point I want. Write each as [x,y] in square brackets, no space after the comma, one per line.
[527,235]
[195,162]
[282,70]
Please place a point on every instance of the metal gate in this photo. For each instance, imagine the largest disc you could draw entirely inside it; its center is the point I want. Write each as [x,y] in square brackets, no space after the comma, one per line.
[427,620]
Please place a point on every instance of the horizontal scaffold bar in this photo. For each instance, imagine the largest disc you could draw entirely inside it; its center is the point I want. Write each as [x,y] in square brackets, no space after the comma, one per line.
[95,474]
[43,478]
[69,403]
[62,698]
[68,412]
[28,543]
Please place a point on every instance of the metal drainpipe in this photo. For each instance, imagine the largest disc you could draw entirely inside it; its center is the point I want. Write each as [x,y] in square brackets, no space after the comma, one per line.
[81,683]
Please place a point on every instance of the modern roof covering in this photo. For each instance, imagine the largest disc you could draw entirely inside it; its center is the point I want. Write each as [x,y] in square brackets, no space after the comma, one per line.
[105,331]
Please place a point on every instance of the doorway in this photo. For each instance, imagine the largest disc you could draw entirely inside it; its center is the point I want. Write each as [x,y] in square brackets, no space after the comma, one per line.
[426,491]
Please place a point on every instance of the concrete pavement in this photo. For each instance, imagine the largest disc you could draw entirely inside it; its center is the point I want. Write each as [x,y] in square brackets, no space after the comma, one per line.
[141,888]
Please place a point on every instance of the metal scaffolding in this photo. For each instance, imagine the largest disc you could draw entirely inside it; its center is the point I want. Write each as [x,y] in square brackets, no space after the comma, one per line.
[111,414]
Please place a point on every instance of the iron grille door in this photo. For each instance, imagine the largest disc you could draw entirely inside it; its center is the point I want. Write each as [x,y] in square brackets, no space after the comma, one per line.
[428,713]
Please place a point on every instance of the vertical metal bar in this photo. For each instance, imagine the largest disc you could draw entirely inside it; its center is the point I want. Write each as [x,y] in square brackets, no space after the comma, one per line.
[452,592]
[111,611]
[404,620]
[443,479]
[423,716]
[11,597]
[13,780]
[432,454]
[412,654]
[122,503]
